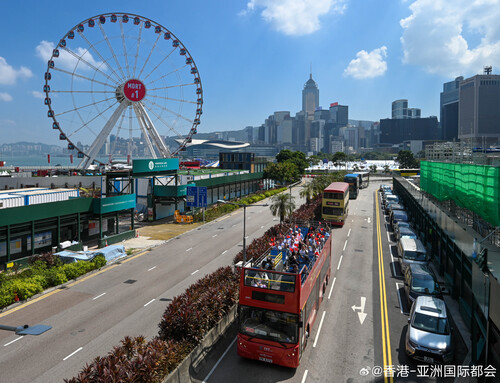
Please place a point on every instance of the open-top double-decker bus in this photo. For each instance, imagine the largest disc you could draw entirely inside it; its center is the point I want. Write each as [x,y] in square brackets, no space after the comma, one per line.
[280,295]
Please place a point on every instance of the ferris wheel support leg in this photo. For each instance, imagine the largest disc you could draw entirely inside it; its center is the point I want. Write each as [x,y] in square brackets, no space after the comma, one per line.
[101,137]
[143,125]
[160,144]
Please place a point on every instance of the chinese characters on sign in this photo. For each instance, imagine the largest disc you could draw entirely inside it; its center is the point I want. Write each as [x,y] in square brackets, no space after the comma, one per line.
[430,371]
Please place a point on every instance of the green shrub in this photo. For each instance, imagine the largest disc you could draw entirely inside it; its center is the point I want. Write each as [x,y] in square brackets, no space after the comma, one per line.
[26,288]
[55,277]
[99,261]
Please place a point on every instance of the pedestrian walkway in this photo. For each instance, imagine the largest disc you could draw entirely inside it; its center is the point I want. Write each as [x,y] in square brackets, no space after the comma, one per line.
[156,233]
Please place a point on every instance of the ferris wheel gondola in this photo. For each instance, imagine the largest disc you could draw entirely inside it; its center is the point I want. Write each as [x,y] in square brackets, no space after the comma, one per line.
[118,85]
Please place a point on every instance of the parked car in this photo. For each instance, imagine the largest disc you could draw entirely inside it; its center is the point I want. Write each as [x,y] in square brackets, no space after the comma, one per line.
[397,216]
[393,206]
[404,232]
[411,251]
[389,198]
[429,335]
[399,225]
[420,280]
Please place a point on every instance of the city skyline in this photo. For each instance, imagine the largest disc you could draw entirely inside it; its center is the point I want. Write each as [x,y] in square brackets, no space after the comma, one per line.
[254,57]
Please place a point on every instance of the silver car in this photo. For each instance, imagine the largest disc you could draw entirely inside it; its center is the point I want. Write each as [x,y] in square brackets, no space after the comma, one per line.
[428,338]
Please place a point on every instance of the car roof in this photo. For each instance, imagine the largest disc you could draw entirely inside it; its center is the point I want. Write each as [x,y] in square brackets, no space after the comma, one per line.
[412,244]
[431,306]
[417,268]
[406,230]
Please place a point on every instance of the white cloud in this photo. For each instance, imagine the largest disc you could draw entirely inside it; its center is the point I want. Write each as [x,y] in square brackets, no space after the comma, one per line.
[452,38]
[37,94]
[67,60]
[368,65]
[295,17]
[9,75]
[5,97]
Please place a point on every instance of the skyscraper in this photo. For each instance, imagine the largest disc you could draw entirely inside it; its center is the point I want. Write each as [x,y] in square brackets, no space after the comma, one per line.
[400,109]
[449,109]
[479,110]
[310,97]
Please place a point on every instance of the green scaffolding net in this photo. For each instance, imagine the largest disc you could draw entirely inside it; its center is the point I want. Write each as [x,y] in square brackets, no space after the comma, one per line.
[473,187]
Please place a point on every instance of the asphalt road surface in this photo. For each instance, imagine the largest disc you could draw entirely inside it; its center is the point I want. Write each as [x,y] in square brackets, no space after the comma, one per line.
[360,326]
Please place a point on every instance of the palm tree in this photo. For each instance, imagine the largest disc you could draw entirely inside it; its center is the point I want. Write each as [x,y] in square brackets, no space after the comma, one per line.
[282,204]
[307,191]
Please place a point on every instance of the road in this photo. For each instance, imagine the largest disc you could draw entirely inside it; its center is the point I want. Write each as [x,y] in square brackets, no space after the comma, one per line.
[91,316]
[360,327]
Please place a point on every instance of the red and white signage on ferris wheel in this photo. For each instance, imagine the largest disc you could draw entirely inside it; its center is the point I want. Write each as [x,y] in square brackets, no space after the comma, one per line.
[134,90]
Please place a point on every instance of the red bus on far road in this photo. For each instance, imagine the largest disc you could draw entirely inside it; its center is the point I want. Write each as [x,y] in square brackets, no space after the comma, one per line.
[280,294]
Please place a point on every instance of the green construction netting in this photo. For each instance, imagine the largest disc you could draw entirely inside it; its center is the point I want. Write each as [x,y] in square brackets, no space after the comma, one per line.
[473,187]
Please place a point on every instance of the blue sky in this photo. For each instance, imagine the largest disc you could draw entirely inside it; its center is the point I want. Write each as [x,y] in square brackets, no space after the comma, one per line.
[254,56]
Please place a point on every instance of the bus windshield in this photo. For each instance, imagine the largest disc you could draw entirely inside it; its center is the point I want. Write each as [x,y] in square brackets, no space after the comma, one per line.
[268,324]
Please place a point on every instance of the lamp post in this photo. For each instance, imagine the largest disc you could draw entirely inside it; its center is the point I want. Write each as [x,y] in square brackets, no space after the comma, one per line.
[244,224]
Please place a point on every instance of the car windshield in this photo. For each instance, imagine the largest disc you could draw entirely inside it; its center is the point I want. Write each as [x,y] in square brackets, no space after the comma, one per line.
[430,324]
[268,324]
[414,255]
[425,284]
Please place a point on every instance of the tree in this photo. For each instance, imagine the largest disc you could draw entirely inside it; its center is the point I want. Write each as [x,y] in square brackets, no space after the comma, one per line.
[282,204]
[298,158]
[285,172]
[406,160]
[307,191]
[355,168]
[373,168]
[386,169]
[339,158]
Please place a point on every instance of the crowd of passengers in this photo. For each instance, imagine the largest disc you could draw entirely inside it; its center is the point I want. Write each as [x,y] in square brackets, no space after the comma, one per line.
[298,249]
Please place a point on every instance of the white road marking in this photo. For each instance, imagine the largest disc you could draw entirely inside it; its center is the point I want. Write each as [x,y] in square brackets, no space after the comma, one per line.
[215,235]
[345,244]
[333,284]
[340,261]
[361,315]
[15,340]
[154,267]
[262,227]
[151,301]
[194,272]
[224,252]
[216,364]
[234,225]
[189,249]
[349,232]
[98,296]
[73,353]
[304,377]
[399,297]
[369,220]
[319,328]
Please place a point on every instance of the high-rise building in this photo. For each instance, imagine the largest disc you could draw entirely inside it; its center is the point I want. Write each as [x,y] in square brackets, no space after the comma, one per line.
[449,109]
[414,113]
[479,110]
[400,109]
[339,114]
[397,130]
[310,97]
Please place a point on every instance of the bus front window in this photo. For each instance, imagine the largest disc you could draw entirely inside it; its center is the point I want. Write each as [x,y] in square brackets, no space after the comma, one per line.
[268,324]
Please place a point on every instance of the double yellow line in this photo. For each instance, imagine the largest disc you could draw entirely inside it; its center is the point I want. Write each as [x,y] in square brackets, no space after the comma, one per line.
[386,339]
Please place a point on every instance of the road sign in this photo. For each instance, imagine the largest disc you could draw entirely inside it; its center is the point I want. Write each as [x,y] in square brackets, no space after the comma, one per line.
[196,196]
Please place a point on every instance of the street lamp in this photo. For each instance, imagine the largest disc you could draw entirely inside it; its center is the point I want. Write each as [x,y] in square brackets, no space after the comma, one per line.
[27,330]
[244,224]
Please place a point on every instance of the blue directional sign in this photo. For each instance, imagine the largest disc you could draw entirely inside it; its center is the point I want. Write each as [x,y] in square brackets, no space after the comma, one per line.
[196,196]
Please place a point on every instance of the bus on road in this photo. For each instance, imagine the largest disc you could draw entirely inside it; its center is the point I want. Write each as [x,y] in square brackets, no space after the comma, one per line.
[354,181]
[335,203]
[406,172]
[365,179]
[279,303]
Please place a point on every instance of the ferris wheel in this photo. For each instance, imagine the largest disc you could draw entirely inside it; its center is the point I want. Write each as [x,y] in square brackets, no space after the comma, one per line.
[122,86]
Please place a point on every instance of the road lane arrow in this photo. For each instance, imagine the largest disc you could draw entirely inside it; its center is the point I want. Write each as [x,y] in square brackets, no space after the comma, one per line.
[361,315]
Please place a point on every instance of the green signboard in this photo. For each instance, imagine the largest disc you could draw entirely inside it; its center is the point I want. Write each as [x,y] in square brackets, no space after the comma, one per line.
[116,203]
[152,166]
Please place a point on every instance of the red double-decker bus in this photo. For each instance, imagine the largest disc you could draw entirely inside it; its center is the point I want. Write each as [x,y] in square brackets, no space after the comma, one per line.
[278,303]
